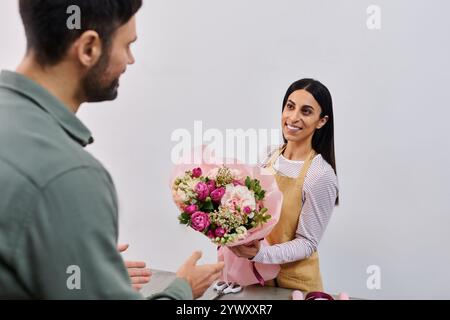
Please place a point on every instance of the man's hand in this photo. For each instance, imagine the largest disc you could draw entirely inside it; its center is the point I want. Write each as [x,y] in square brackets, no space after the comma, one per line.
[139,275]
[200,277]
[248,250]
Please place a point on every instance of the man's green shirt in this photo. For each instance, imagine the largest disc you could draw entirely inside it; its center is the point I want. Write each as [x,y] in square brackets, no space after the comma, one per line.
[58,205]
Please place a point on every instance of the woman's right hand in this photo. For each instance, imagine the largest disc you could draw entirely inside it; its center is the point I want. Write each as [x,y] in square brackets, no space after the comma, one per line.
[248,250]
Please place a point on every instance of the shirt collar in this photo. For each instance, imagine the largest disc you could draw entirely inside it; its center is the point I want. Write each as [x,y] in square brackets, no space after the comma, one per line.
[49,103]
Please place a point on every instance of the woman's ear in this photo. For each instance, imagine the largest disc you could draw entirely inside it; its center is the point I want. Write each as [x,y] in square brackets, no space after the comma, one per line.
[323,121]
[89,48]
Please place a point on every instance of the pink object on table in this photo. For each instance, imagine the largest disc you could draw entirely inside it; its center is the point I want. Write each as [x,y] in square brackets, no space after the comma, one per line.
[344,296]
[297,295]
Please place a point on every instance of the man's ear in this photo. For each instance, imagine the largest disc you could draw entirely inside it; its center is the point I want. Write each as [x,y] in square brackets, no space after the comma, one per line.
[88,48]
[323,121]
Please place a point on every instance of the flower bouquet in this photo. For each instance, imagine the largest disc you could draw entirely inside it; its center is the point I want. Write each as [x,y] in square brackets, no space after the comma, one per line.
[231,204]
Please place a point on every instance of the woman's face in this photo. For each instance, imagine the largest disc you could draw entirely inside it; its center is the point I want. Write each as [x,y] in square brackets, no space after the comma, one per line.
[301,116]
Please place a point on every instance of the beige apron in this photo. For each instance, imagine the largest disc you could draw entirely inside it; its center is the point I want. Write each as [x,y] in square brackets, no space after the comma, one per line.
[303,275]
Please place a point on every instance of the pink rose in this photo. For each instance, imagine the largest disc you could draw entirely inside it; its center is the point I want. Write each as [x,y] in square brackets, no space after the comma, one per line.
[202,191]
[211,185]
[200,221]
[211,234]
[217,194]
[247,210]
[191,209]
[197,172]
[220,232]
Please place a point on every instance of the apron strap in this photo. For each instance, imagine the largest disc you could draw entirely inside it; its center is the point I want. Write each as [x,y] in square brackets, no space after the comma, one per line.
[305,167]
[274,158]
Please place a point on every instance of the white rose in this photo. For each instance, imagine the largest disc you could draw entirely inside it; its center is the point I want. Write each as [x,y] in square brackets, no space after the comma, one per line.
[238,196]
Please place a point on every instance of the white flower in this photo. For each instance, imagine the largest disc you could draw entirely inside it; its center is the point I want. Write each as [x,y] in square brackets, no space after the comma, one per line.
[236,173]
[180,196]
[241,230]
[192,184]
[238,197]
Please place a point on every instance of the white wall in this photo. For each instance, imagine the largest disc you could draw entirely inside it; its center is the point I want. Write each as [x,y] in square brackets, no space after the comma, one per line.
[228,64]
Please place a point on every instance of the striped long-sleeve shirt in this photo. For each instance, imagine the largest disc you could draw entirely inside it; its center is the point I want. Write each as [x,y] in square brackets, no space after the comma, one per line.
[319,196]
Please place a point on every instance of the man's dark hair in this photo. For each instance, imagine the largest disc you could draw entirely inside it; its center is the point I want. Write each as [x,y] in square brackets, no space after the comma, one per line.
[46,29]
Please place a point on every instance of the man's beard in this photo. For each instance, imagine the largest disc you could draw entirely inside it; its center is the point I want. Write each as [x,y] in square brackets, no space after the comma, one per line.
[95,90]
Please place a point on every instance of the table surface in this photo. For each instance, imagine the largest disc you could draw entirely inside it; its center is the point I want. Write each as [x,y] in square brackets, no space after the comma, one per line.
[161,279]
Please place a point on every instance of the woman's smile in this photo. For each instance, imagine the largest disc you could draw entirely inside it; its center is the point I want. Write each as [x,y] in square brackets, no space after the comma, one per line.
[292,129]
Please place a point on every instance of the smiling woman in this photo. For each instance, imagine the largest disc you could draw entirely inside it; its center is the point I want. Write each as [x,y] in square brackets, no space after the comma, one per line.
[305,171]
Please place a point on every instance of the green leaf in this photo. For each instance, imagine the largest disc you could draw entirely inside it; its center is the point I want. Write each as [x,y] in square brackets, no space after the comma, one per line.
[248,182]
[207,206]
[184,218]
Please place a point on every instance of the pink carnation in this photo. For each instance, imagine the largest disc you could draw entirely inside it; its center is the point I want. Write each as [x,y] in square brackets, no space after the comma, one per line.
[197,172]
[200,221]
[217,194]
[191,209]
[202,191]
[211,185]
[220,232]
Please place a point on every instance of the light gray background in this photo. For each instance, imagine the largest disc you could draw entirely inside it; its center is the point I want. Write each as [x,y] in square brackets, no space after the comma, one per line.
[228,63]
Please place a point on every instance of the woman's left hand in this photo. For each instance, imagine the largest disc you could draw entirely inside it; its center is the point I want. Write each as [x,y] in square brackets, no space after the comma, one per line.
[248,250]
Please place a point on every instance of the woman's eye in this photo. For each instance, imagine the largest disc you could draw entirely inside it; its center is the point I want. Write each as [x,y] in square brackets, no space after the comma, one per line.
[307,112]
